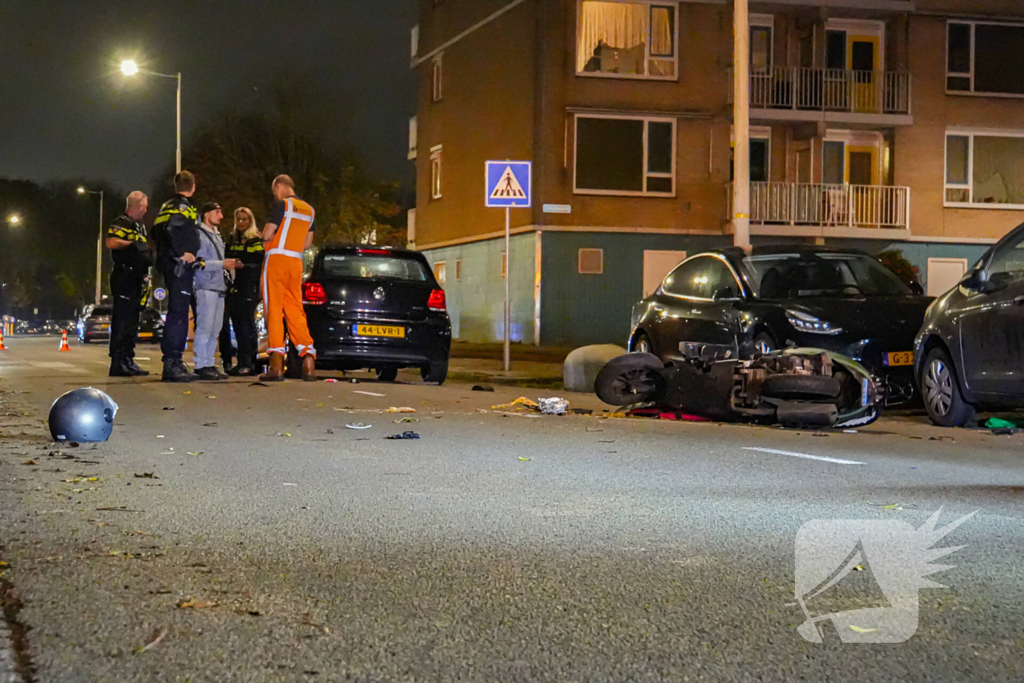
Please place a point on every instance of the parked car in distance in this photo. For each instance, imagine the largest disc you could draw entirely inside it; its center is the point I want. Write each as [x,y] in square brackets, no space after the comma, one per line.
[376,308]
[95,324]
[151,326]
[52,327]
[970,350]
[26,327]
[841,300]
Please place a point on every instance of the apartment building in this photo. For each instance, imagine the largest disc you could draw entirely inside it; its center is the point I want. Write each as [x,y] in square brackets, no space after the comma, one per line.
[876,124]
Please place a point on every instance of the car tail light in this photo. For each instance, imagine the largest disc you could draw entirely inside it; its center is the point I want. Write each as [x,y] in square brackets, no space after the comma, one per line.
[313,293]
[437,301]
[375,252]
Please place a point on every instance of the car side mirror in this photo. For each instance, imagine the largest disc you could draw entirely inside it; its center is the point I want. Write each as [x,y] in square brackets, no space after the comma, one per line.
[979,281]
[916,288]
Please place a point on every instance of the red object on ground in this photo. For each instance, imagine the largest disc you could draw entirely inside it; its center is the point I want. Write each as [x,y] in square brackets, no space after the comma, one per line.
[668,415]
[64,341]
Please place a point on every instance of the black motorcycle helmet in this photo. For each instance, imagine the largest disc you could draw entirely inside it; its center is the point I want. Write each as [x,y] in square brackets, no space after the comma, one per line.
[83,415]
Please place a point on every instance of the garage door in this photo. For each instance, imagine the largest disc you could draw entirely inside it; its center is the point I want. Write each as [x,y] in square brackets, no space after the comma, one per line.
[944,274]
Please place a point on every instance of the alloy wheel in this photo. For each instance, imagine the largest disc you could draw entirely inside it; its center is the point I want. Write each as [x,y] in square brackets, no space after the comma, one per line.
[938,387]
[635,382]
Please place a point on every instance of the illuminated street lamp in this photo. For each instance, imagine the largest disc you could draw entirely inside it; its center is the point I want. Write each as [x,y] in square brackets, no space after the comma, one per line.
[99,244]
[130,68]
[14,219]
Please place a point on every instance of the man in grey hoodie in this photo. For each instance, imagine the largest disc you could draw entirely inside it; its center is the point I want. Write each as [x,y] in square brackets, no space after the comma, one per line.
[210,288]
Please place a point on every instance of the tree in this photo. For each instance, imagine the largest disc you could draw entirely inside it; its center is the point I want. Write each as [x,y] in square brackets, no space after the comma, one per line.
[236,159]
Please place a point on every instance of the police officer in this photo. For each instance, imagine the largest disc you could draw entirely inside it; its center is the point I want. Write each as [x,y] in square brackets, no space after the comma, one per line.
[245,245]
[178,244]
[132,256]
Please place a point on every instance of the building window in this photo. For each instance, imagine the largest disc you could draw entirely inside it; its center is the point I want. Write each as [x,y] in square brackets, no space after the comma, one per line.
[985,170]
[625,156]
[590,262]
[435,172]
[761,30]
[437,92]
[458,270]
[627,39]
[414,36]
[413,134]
[441,273]
[760,154]
[985,58]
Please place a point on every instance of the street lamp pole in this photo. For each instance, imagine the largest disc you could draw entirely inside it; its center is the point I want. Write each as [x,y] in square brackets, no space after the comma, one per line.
[99,246]
[741,125]
[130,68]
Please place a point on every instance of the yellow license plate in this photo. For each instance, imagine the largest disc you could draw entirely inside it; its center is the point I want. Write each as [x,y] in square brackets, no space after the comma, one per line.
[380,331]
[897,358]
[145,335]
[104,326]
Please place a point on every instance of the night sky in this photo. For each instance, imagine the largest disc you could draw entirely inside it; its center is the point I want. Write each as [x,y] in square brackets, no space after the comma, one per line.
[67,112]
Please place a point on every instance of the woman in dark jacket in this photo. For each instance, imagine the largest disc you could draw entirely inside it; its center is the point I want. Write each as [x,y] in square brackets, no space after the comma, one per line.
[244,244]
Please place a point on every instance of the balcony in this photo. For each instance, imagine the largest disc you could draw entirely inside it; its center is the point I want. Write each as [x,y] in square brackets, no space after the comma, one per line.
[840,95]
[878,207]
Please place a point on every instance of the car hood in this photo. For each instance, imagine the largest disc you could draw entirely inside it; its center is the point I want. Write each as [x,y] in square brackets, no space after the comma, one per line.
[892,320]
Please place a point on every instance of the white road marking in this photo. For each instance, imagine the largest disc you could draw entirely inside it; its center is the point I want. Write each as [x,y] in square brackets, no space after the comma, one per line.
[823,458]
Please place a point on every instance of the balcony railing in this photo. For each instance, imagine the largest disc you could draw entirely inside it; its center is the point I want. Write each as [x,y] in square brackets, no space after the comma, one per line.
[848,206]
[840,90]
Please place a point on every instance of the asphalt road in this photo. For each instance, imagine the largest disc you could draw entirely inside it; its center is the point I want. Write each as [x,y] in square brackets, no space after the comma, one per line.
[496,548]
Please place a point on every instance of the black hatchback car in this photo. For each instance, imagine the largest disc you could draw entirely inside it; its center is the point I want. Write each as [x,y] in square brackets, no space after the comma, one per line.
[379,308]
[970,351]
[841,300]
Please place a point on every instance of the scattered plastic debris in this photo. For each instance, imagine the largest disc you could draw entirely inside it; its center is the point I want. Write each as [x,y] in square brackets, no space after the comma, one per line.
[403,409]
[554,406]
[168,407]
[521,402]
[154,640]
[358,425]
[369,393]
[186,393]
[849,431]
[582,411]
[858,629]
[146,475]
[191,603]
[210,424]
[999,423]
[403,436]
[288,483]
[282,434]
[524,460]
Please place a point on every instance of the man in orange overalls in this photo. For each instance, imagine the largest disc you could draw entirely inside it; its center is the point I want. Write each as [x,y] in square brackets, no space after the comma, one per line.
[287,235]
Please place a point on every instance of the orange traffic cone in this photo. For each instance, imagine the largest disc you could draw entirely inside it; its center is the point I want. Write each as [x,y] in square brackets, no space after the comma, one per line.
[2,347]
[64,341]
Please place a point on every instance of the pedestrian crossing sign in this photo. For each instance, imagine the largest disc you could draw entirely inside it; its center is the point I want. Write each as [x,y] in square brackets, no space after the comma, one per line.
[509,184]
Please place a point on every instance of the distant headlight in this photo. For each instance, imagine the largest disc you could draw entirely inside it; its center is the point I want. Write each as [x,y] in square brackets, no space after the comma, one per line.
[805,322]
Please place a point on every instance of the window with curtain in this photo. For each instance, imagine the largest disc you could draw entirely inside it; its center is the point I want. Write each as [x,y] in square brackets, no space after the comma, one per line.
[627,39]
[625,156]
[985,170]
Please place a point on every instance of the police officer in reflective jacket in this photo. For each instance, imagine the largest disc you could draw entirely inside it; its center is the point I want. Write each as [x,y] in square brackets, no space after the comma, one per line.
[245,245]
[132,257]
[178,244]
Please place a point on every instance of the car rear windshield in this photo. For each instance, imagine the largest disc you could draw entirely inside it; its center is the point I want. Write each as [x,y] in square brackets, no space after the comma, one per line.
[101,310]
[365,266]
[792,276]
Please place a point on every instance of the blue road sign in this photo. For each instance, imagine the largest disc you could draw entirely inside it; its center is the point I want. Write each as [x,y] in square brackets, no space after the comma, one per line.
[509,184]
[159,293]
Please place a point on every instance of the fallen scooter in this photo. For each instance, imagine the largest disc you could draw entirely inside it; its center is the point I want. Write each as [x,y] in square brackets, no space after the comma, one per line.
[801,387]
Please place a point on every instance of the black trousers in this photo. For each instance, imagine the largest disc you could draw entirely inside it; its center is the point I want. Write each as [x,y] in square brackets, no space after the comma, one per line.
[126,288]
[240,313]
[179,301]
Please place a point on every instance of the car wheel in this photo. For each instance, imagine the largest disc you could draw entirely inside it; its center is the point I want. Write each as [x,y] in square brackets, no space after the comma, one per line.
[387,374]
[797,387]
[435,373]
[940,390]
[764,344]
[632,378]
[642,344]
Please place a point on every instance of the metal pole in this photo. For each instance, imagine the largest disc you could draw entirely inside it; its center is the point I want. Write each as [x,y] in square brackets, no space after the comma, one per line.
[99,256]
[508,274]
[741,125]
[177,156]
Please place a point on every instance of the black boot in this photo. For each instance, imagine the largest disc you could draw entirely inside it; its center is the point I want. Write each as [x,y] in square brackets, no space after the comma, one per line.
[119,368]
[209,374]
[136,371]
[176,371]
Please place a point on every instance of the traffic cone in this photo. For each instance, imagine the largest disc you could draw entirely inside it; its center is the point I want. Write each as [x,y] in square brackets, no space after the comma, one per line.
[64,341]
[2,347]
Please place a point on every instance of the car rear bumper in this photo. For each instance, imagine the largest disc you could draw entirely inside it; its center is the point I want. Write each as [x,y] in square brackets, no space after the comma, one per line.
[425,342]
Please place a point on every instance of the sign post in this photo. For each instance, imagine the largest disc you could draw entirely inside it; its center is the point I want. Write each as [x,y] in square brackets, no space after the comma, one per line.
[509,185]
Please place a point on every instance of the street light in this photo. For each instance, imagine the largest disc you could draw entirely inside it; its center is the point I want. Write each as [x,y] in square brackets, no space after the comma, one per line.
[14,219]
[99,245]
[130,68]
